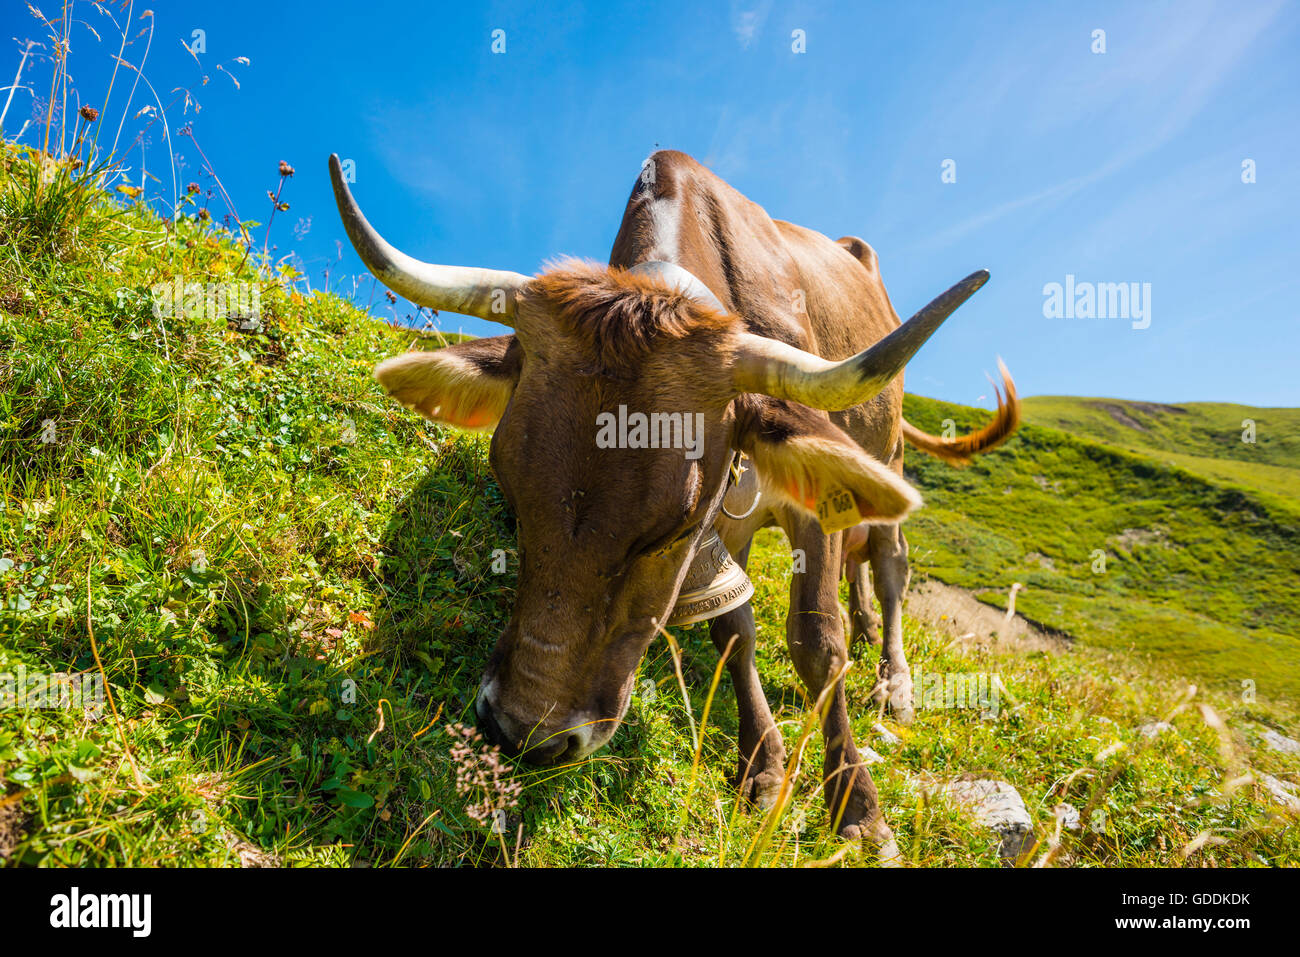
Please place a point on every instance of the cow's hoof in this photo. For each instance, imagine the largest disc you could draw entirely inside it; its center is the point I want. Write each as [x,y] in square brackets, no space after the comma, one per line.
[902,714]
[876,839]
[762,789]
[896,695]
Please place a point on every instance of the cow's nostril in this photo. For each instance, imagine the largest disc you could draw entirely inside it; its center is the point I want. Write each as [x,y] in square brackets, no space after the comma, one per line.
[487,723]
[530,741]
[558,750]
[578,743]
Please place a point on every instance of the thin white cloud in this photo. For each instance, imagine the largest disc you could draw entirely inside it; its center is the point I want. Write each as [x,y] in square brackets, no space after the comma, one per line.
[1222,44]
[748,24]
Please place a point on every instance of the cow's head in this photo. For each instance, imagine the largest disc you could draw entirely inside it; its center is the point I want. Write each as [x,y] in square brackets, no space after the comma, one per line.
[608,523]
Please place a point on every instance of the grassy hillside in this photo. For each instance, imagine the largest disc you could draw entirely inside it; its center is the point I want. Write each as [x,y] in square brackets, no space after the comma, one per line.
[1215,440]
[1184,557]
[1204,429]
[287,582]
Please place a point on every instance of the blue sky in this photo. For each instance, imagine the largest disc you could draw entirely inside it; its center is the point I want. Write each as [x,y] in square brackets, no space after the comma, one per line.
[1122,166]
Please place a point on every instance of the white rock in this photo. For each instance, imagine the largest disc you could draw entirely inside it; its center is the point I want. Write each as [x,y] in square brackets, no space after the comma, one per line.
[886,736]
[996,805]
[869,756]
[1154,728]
[1069,815]
[1280,742]
[1284,792]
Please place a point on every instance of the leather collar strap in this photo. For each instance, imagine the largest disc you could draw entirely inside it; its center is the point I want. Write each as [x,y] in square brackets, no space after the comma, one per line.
[733,478]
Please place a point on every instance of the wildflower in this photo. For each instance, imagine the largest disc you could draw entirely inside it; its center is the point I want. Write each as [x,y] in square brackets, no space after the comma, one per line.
[285,169]
[89,114]
[391,297]
[481,773]
[203,214]
[192,188]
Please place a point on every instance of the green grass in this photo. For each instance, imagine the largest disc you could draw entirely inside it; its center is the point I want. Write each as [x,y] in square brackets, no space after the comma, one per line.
[1209,439]
[1122,548]
[1212,430]
[287,581]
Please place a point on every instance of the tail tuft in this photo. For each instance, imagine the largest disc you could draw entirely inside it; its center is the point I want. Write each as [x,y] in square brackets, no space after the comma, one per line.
[959,451]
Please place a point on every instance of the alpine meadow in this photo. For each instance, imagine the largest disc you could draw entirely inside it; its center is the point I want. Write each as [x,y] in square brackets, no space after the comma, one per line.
[254,612]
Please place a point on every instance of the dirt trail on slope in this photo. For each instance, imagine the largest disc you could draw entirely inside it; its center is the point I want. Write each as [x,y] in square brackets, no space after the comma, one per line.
[958,612]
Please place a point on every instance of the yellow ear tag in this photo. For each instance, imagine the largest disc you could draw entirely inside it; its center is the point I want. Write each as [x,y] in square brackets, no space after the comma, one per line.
[837,510]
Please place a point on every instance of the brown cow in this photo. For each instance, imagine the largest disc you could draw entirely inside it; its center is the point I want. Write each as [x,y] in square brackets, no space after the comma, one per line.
[753,327]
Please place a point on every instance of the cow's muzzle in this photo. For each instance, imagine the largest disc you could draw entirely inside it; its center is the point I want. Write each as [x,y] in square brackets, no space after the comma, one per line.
[567,740]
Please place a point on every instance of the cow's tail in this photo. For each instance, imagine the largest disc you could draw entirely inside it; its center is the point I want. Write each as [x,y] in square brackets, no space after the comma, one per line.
[958,451]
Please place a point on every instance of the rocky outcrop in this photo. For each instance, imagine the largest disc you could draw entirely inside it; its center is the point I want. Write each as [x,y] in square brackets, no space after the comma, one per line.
[995,805]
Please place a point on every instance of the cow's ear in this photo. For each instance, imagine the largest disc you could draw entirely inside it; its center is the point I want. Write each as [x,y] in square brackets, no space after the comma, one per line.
[466,385]
[803,459]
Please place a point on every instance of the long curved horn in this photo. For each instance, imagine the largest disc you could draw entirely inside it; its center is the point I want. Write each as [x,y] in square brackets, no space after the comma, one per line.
[486,293]
[773,368]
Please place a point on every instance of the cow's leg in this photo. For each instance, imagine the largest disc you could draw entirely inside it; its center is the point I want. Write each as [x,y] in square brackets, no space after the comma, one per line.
[889,570]
[762,752]
[865,623]
[815,633]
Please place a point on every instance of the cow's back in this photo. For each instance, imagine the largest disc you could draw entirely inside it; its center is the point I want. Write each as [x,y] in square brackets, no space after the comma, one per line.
[785,281]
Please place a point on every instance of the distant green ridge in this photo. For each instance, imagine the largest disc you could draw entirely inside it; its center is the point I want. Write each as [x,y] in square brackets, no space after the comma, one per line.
[1199,531]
